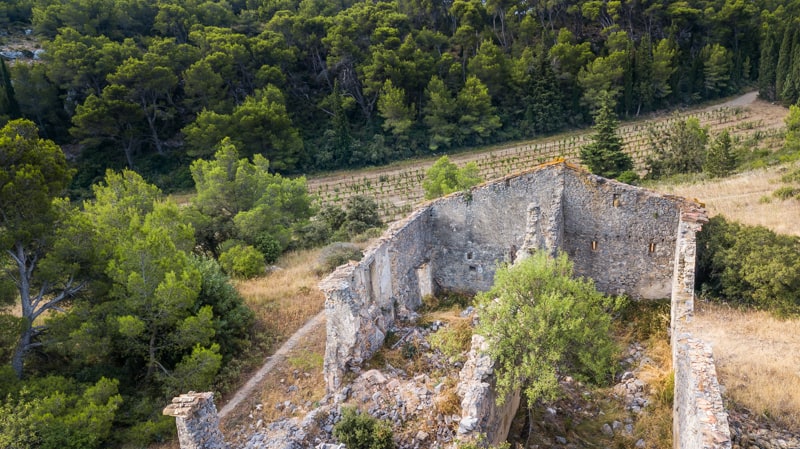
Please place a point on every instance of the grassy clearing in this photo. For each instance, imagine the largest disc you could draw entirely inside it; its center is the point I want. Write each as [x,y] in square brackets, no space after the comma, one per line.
[740,198]
[757,357]
[286,298]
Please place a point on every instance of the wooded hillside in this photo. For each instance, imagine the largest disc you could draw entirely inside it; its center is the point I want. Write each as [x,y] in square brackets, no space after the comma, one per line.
[315,85]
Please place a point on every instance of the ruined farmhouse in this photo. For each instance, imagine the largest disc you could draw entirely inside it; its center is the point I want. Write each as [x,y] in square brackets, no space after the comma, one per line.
[627,239]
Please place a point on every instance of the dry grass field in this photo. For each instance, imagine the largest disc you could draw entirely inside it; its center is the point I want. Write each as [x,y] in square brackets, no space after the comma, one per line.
[758,359]
[746,198]
[286,298]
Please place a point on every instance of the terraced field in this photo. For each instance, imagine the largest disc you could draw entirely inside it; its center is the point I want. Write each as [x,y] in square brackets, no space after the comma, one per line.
[398,188]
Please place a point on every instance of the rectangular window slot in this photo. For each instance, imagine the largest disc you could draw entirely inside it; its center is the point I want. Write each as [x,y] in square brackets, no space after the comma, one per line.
[469,255]
[594,245]
[616,200]
[473,268]
[652,247]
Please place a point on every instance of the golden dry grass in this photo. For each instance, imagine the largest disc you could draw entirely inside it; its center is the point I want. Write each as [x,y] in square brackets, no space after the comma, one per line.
[739,198]
[285,299]
[757,358]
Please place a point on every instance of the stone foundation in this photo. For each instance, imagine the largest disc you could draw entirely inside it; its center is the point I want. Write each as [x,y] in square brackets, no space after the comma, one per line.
[628,240]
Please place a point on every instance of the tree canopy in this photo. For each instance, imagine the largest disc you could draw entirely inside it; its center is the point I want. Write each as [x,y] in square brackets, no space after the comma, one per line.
[310,86]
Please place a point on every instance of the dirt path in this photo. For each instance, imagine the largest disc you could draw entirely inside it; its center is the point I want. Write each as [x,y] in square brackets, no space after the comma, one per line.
[272,361]
[743,100]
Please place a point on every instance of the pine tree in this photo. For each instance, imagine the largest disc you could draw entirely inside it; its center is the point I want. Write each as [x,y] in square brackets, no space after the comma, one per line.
[784,60]
[343,147]
[766,68]
[9,108]
[790,91]
[604,156]
[720,159]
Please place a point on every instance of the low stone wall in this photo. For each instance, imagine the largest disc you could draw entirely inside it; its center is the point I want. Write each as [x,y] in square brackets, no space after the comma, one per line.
[699,418]
[197,420]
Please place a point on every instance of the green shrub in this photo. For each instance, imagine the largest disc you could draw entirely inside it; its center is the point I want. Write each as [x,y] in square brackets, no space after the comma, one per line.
[361,431]
[679,149]
[445,177]
[749,265]
[786,192]
[540,323]
[793,176]
[629,177]
[336,254]
[333,215]
[269,246]
[242,261]
[315,233]
[361,214]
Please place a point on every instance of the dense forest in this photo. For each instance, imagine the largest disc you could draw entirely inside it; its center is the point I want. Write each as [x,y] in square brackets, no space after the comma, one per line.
[316,85]
[122,300]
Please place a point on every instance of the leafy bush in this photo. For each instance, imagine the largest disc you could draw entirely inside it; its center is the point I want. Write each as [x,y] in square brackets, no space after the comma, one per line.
[629,177]
[540,323]
[445,177]
[336,254]
[334,224]
[361,431]
[361,214]
[269,246]
[681,148]
[242,261]
[786,192]
[232,319]
[749,265]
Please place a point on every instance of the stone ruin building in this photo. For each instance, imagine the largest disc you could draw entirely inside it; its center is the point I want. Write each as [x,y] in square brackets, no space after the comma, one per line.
[627,239]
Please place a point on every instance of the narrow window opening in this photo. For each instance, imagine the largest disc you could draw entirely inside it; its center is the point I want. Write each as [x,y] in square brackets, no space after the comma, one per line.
[652,247]
[594,245]
[616,200]
[469,255]
[473,268]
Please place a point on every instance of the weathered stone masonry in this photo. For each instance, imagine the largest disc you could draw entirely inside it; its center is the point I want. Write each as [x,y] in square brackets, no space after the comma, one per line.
[623,237]
[629,240]
[197,421]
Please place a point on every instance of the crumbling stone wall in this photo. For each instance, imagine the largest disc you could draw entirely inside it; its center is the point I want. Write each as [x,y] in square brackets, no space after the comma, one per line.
[627,239]
[621,236]
[197,421]
[363,299]
[699,418]
[480,414]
